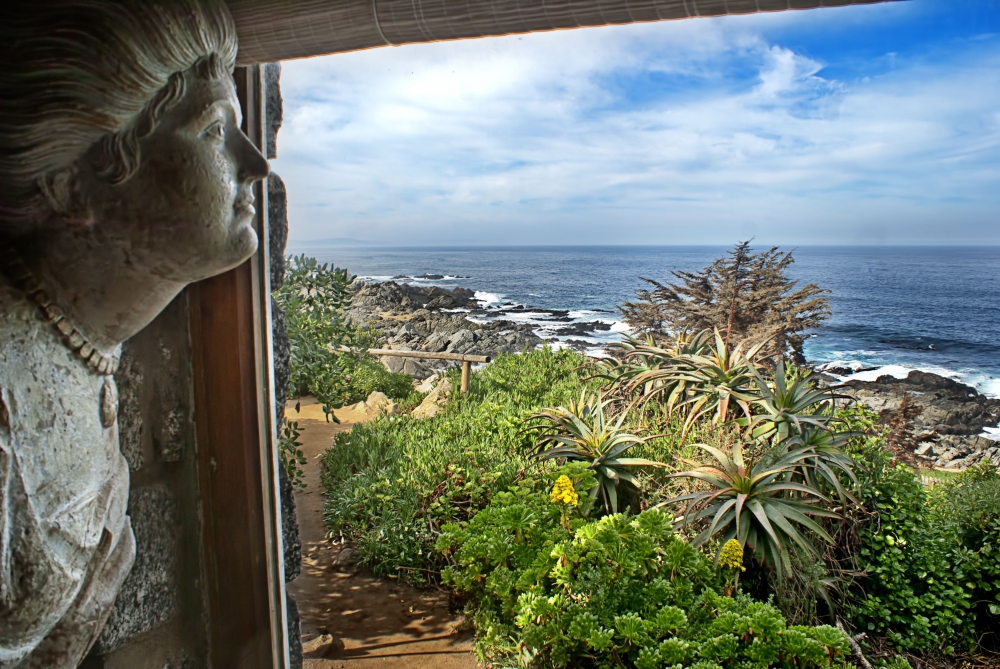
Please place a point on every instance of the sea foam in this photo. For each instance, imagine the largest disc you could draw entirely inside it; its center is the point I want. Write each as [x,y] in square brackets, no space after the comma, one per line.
[984,384]
[487,298]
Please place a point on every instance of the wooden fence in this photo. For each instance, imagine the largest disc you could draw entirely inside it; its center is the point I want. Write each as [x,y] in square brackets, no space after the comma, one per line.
[464,358]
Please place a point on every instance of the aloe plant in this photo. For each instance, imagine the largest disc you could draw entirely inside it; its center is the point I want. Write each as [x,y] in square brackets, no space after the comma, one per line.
[716,382]
[784,409]
[758,504]
[583,432]
[794,416]
[648,371]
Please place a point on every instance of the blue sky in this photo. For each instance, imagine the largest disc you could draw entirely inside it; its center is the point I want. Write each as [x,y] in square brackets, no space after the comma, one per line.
[877,124]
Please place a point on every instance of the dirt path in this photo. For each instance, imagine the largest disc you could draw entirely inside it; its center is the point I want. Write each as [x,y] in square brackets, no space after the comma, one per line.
[351,619]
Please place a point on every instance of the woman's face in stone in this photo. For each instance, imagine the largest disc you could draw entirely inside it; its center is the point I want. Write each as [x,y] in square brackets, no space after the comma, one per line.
[186,212]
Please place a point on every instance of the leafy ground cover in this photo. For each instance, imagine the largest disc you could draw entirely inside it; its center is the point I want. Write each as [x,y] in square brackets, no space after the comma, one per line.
[393,482]
[313,297]
[551,587]
[552,583]
[929,555]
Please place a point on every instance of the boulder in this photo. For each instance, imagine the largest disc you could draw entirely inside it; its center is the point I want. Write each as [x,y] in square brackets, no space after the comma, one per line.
[415,368]
[427,384]
[434,402]
[947,416]
[461,341]
[368,409]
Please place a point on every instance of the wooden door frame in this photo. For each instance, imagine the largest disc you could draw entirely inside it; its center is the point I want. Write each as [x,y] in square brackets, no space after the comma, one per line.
[237,455]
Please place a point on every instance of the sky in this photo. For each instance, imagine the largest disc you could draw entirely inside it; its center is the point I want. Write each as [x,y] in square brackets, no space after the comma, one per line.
[877,124]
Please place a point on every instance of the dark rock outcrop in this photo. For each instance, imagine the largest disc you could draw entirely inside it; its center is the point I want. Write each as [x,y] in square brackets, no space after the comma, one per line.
[417,318]
[947,416]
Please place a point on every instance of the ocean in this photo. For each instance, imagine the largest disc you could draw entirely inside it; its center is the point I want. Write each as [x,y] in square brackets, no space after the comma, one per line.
[895,309]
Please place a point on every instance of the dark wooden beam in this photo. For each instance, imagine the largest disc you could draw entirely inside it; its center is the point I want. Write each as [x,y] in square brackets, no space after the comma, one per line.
[230,327]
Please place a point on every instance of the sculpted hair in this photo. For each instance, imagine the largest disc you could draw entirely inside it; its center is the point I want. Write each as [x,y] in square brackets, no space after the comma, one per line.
[80,73]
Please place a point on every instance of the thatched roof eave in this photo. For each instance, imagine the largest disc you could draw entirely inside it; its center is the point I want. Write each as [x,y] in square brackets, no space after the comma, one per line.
[272,30]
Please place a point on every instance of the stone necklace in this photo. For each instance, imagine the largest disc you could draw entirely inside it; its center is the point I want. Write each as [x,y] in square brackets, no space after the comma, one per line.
[97,362]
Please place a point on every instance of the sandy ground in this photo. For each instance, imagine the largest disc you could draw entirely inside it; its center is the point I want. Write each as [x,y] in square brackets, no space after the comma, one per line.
[351,619]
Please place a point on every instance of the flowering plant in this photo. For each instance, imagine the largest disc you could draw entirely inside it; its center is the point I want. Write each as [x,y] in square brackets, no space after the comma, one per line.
[621,591]
[731,557]
[563,492]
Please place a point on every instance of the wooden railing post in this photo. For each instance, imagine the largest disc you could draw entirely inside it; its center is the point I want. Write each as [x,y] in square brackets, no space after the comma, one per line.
[466,369]
[464,358]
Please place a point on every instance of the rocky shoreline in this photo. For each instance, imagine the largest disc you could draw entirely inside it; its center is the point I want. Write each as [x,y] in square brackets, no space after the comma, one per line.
[436,320]
[941,420]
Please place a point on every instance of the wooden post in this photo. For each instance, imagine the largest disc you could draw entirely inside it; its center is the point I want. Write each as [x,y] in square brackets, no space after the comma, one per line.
[464,358]
[237,459]
[466,368]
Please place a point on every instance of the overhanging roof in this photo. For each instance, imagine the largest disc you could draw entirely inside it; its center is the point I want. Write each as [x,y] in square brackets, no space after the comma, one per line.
[271,30]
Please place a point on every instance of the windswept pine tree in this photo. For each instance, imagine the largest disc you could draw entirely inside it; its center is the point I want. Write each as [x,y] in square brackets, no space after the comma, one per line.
[745,295]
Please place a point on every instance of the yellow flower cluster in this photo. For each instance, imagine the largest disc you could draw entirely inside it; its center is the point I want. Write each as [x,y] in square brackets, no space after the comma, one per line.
[563,492]
[732,555]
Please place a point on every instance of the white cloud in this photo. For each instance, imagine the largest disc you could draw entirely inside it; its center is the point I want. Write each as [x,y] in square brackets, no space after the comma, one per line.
[638,134]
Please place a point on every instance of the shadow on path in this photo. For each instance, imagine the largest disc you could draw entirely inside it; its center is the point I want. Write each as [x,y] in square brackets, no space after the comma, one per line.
[351,619]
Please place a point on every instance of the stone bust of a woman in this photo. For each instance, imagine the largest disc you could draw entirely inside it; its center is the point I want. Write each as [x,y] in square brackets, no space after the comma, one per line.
[124,176]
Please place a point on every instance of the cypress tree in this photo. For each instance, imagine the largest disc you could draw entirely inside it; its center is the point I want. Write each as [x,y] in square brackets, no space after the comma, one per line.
[745,295]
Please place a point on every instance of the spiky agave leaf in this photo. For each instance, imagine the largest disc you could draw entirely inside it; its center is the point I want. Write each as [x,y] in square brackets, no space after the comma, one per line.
[716,382]
[785,409]
[757,504]
[797,415]
[583,432]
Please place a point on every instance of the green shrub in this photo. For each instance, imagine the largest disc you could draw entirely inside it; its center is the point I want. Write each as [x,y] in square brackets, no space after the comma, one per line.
[313,298]
[582,431]
[290,452]
[393,482]
[363,375]
[551,590]
[930,557]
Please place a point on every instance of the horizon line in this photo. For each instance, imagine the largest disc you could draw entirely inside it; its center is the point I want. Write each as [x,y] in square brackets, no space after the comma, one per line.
[382,245]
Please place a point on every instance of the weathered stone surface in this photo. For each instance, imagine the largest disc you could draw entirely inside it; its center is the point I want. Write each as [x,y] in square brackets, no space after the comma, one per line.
[415,368]
[948,416]
[277,221]
[294,632]
[160,356]
[367,409]
[434,402]
[282,357]
[148,596]
[289,528]
[50,427]
[415,318]
[130,424]
[274,107]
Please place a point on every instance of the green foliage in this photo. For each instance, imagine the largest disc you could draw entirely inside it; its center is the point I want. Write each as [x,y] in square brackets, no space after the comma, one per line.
[745,295]
[292,457]
[693,376]
[786,409]
[313,297]
[930,557]
[581,431]
[363,374]
[393,482]
[767,500]
[791,412]
[618,591]
[751,502]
